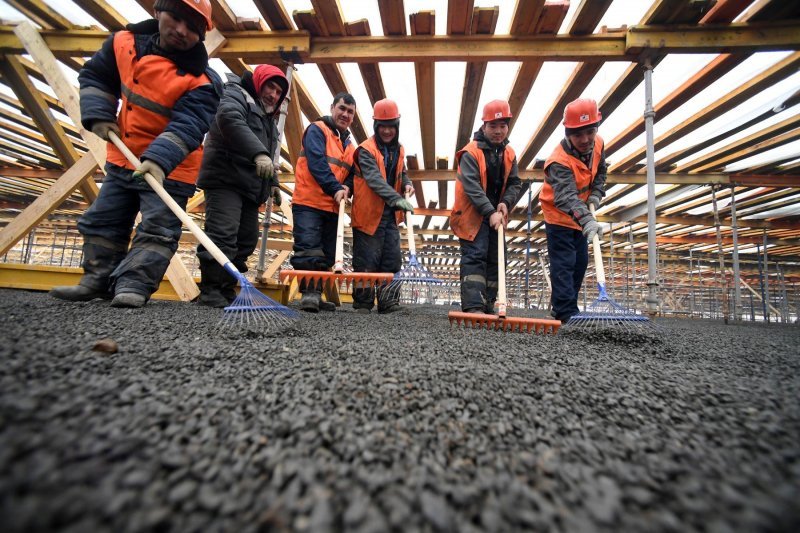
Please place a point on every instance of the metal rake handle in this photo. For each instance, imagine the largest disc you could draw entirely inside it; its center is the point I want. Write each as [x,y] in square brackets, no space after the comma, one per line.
[172,204]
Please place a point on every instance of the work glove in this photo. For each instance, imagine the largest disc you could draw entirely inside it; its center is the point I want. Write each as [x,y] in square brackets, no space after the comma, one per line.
[590,228]
[593,200]
[151,168]
[405,205]
[102,127]
[264,166]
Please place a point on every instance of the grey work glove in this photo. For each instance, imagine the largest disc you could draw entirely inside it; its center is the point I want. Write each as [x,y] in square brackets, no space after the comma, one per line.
[593,200]
[102,127]
[264,166]
[405,205]
[151,168]
[590,228]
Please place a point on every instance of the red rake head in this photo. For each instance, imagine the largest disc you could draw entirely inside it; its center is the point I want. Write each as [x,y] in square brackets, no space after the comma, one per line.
[359,280]
[519,325]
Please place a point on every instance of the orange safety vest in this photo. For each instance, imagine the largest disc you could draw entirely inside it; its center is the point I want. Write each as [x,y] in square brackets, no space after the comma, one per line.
[465,218]
[306,189]
[584,178]
[150,87]
[367,205]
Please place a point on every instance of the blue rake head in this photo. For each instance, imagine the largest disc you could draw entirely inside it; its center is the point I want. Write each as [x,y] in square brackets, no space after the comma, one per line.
[254,311]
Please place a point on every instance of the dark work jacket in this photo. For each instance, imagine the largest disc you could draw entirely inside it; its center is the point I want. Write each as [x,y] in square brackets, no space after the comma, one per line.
[240,131]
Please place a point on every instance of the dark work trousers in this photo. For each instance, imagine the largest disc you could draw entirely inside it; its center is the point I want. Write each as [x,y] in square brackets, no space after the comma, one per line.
[569,256]
[479,271]
[377,253]
[106,228]
[314,241]
[231,224]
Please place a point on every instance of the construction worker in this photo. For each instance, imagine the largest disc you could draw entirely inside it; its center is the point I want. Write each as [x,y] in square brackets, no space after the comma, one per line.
[380,187]
[575,178]
[325,162]
[238,174]
[160,69]
[487,187]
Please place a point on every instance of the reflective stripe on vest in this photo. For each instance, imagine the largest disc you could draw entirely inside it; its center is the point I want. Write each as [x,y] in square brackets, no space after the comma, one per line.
[340,159]
[367,205]
[465,218]
[584,180]
[150,87]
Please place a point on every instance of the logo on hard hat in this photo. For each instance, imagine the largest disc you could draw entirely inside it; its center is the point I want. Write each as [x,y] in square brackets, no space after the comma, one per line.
[498,115]
[585,117]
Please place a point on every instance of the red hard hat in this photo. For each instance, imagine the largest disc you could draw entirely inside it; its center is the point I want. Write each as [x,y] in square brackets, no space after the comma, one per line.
[204,8]
[496,110]
[581,113]
[385,110]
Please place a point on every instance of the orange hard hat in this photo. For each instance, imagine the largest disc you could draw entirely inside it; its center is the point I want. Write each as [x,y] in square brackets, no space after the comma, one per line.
[581,113]
[496,110]
[204,8]
[385,110]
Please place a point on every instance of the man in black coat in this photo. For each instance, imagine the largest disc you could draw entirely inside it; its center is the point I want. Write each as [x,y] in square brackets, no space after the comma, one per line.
[237,174]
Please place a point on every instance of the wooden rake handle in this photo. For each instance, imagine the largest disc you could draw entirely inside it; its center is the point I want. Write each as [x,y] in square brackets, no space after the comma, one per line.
[502,301]
[598,257]
[172,204]
[338,262]
[412,244]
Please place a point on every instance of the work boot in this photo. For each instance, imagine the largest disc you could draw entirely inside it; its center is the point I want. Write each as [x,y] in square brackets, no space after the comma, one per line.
[129,299]
[392,308]
[327,306]
[213,299]
[78,293]
[362,310]
[310,302]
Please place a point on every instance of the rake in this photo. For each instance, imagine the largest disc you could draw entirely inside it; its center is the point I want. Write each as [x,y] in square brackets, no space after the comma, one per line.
[326,280]
[501,321]
[414,276]
[604,312]
[252,310]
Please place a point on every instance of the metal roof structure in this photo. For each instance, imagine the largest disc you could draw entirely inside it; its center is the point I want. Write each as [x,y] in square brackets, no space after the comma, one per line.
[49,164]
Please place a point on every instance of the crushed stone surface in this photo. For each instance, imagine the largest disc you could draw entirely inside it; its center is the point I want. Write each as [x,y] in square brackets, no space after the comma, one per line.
[372,423]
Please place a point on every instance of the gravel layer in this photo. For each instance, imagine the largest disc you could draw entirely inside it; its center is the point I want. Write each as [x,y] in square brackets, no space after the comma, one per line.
[397,422]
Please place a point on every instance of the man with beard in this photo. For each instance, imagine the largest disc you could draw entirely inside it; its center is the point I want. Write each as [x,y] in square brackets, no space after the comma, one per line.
[159,68]
[575,178]
[380,187]
[325,162]
[237,175]
[487,187]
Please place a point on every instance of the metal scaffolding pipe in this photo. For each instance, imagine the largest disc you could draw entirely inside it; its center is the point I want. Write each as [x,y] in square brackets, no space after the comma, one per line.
[737,284]
[766,277]
[649,114]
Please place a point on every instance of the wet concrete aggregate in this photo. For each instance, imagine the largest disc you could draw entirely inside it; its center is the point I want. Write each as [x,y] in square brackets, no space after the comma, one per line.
[376,423]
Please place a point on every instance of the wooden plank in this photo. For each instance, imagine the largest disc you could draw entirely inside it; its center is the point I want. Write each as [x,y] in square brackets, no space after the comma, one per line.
[423,23]
[459,16]
[293,128]
[103,13]
[526,16]
[769,77]
[587,16]
[275,14]
[46,202]
[743,151]
[370,72]
[412,163]
[330,15]
[66,93]
[441,164]
[41,13]
[306,102]
[393,17]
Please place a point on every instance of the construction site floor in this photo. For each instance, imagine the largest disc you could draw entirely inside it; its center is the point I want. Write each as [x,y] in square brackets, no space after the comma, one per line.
[351,422]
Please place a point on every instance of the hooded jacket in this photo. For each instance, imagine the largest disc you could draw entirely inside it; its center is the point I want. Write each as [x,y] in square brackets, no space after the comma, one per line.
[240,131]
[168,99]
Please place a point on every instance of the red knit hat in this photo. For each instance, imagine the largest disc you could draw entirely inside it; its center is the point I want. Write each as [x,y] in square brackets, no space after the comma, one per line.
[263,73]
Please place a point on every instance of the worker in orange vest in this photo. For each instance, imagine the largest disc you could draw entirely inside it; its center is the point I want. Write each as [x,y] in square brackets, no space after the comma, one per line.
[159,68]
[487,187]
[575,178]
[325,162]
[379,190]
